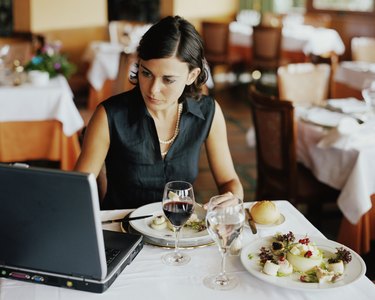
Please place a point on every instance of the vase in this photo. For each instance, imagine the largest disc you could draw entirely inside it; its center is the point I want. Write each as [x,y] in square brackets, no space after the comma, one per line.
[39,78]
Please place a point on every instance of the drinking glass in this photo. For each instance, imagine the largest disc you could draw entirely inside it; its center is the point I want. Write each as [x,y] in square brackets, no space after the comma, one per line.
[225,220]
[178,205]
[368,93]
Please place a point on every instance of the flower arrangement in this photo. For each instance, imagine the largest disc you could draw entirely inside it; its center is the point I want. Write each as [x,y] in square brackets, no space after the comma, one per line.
[50,60]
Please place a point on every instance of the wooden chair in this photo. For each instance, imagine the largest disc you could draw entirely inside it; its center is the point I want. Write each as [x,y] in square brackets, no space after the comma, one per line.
[216,46]
[363,49]
[122,83]
[317,20]
[279,175]
[304,83]
[20,47]
[266,49]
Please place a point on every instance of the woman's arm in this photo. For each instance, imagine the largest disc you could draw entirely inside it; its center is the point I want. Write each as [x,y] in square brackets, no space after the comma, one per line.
[95,144]
[219,157]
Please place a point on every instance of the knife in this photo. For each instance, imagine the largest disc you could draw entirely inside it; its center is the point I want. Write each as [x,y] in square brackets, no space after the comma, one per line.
[250,221]
[126,219]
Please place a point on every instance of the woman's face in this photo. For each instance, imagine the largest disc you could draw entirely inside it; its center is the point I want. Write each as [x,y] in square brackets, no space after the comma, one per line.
[163,80]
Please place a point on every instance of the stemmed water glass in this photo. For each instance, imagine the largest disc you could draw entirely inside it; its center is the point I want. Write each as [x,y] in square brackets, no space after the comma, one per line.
[225,220]
[178,205]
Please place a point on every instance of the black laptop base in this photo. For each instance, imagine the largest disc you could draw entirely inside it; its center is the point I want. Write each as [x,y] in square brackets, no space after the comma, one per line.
[72,282]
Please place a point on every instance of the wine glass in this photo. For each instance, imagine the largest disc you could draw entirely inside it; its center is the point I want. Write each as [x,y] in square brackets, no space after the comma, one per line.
[178,205]
[225,220]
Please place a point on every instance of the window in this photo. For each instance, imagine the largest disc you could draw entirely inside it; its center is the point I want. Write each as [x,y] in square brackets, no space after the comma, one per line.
[5,17]
[344,5]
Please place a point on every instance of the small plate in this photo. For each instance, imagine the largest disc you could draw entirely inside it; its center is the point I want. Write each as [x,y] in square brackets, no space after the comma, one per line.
[165,238]
[280,221]
[353,271]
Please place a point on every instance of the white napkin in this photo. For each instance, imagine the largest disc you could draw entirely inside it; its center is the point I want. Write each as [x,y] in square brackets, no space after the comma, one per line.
[349,135]
[339,136]
[321,116]
[348,105]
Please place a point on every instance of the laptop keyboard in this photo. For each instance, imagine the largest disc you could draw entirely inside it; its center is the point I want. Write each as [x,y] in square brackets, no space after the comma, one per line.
[111,254]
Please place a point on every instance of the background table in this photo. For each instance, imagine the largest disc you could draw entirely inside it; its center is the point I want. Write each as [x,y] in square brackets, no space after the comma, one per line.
[39,123]
[351,77]
[350,169]
[298,41]
[148,278]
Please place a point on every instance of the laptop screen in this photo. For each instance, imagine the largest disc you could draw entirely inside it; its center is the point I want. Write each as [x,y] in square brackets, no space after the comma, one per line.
[49,221]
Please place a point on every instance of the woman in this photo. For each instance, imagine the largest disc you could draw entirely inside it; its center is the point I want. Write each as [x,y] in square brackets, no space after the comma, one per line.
[153,134]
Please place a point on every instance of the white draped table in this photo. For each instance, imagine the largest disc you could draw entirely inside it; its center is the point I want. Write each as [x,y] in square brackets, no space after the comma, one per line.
[39,123]
[343,157]
[295,38]
[351,77]
[148,278]
[53,101]
[298,42]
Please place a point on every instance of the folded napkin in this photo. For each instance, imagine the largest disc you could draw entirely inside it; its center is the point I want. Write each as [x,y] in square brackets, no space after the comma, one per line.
[348,105]
[350,135]
[321,116]
[339,137]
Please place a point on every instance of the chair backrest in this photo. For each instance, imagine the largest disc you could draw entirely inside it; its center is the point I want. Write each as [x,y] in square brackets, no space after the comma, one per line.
[20,49]
[317,20]
[363,49]
[216,38]
[271,19]
[304,83]
[122,83]
[273,121]
[117,31]
[266,41]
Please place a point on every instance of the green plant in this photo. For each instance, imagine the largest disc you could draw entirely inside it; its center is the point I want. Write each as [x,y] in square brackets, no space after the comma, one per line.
[49,59]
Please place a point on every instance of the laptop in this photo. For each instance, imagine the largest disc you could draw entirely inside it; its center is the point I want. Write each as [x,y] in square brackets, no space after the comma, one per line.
[51,232]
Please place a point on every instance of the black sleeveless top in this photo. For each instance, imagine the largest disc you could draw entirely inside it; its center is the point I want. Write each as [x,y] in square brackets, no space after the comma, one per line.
[136,171]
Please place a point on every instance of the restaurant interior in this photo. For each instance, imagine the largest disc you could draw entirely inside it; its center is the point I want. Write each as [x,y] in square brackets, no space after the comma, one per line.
[295,80]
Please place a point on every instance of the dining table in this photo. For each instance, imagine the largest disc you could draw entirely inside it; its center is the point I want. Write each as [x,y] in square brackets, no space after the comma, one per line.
[39,122]
[103,58]
[147,277]
[298,41]
[337,143]
[351,77]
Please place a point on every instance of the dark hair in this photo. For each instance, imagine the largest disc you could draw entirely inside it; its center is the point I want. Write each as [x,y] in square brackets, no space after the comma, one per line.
[175,36]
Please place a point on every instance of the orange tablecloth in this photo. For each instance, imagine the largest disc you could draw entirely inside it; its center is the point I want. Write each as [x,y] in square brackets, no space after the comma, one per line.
[38,140]
[358,237]
[342,90]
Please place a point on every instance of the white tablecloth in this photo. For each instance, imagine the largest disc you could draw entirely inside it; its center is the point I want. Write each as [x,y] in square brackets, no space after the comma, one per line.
[53,101]
[104,59]
[303,38]
[356,74]
[148,278]
[348,164]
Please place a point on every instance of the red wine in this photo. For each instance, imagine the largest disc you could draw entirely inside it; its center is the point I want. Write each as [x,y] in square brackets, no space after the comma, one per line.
[178,212]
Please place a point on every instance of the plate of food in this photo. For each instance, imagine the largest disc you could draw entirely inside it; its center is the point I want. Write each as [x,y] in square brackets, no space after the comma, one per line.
[265,214]
[158,231]
[302,262]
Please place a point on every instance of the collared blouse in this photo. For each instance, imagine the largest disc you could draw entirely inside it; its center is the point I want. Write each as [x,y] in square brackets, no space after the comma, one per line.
[136,171]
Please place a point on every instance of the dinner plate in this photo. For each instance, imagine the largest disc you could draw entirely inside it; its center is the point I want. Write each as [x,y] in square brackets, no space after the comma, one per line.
[165,237]
[323,117]
[279,221]
[353,270]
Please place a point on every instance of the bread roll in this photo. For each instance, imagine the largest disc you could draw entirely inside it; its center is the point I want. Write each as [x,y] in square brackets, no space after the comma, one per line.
[265,212]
